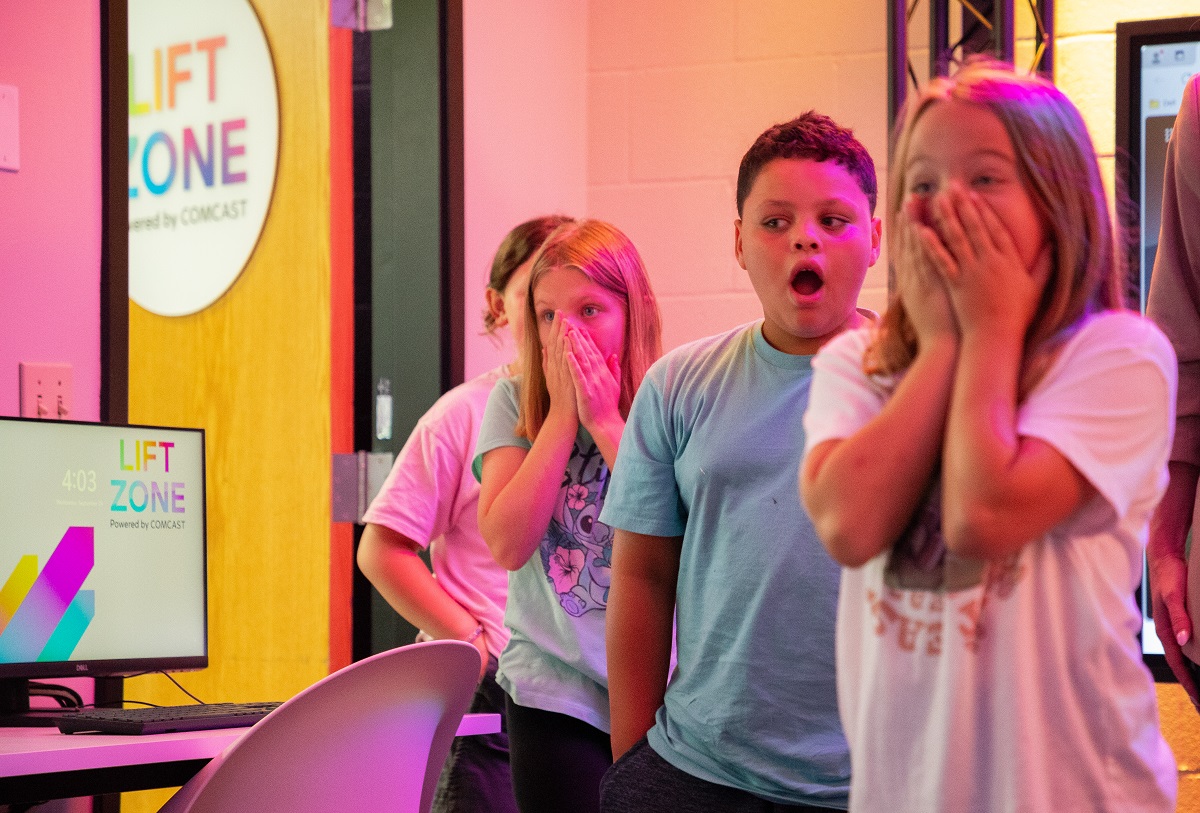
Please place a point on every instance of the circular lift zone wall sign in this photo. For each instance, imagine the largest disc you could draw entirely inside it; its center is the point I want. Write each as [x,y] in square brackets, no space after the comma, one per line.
[203,144]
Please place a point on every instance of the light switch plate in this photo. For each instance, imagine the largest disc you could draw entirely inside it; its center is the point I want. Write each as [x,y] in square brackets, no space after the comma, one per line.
[46,391]
[10,130]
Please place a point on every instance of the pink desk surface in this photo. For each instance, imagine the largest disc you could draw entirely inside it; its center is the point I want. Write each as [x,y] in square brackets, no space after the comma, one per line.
[29,751]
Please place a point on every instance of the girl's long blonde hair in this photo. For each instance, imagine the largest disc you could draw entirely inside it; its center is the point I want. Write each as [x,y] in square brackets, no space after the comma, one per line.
[1057,164]
[602,253]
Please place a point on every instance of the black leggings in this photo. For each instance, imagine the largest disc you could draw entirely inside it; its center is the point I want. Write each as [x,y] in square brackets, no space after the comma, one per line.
[557,761]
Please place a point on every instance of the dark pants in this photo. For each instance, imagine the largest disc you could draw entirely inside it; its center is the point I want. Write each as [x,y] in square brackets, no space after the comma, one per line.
[476,777]
[643,782]
[557,761]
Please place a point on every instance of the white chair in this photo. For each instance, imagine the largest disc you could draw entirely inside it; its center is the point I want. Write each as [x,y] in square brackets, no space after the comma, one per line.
[370,737]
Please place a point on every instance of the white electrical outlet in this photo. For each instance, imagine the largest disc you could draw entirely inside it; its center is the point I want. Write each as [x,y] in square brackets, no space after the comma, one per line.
[46,391]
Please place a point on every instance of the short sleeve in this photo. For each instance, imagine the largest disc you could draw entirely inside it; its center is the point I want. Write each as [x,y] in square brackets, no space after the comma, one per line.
[643,494]
[843,398]
[1107,405]
[420,493]
[499,423]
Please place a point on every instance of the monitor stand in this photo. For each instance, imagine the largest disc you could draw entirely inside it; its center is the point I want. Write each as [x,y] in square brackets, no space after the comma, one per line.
[16,713]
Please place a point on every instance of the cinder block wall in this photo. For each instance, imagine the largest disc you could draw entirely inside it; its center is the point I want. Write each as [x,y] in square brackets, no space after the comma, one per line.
[678,89]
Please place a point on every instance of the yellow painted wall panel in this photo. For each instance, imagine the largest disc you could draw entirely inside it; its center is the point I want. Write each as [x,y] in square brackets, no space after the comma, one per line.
[253,369]
[1181,727]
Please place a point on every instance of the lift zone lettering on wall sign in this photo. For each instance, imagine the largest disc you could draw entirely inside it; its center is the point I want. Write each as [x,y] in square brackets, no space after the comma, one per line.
[203,148]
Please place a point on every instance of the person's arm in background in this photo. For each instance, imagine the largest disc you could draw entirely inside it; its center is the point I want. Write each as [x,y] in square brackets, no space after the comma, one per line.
[390,562]
[1168,569]
[638,628]
[1174,303]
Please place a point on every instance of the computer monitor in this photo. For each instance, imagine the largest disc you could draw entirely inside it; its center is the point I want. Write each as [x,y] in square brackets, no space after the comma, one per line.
[103,567]
[1155,59]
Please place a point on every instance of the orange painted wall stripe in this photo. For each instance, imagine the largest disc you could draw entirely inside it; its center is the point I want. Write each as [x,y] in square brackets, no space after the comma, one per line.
[341,389]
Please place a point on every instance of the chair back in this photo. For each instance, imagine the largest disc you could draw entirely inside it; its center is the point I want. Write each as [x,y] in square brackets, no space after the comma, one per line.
[370,737]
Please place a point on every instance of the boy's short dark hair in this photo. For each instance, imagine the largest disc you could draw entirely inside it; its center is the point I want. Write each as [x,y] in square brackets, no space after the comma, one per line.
[812,136]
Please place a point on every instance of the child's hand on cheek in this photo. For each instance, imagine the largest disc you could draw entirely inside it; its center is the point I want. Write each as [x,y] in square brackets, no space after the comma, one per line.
[597,382]
[922,287]
[557,368]
[990,287]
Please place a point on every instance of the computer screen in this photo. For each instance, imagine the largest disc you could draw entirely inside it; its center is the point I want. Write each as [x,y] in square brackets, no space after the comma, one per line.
[102,549]
[1155,60]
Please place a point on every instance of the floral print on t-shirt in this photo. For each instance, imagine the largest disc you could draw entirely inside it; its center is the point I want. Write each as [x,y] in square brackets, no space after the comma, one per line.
[577,549]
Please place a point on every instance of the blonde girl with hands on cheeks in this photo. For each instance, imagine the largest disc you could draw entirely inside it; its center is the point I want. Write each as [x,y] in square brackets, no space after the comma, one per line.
[985,464]
[544,457]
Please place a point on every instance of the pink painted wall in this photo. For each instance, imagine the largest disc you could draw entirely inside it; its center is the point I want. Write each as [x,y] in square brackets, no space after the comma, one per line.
[525,123]
[50,209]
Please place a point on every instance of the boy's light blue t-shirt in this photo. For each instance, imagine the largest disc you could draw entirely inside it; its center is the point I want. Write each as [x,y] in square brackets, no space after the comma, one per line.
[555,660]
[711,452]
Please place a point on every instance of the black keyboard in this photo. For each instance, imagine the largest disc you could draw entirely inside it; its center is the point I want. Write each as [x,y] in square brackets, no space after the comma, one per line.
[161,719]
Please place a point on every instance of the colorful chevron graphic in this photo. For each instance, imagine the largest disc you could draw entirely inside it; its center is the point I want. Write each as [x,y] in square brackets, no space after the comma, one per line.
[43,615]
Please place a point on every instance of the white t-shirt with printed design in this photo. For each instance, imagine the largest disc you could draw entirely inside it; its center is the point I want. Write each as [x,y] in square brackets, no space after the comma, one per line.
[1016,685]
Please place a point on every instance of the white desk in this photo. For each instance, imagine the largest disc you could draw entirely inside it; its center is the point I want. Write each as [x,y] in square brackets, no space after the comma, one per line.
[37,764]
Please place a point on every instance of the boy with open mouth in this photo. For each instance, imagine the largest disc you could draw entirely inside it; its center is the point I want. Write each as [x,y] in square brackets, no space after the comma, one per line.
[709,527]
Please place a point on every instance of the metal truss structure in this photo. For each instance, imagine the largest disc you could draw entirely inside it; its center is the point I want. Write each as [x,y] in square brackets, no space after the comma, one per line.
[985,27]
